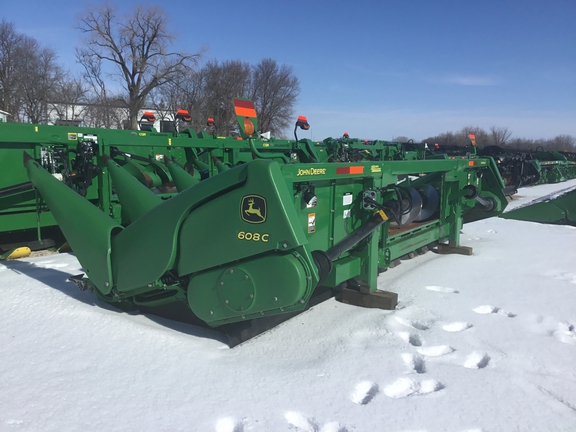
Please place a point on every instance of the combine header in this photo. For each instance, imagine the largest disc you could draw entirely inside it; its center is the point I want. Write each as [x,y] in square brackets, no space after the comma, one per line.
[246,233]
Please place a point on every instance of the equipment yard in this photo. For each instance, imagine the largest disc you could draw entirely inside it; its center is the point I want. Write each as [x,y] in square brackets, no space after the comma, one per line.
[483,342]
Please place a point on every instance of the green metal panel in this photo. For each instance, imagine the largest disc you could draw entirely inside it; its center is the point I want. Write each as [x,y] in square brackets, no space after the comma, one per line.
[557,210]
[86,228]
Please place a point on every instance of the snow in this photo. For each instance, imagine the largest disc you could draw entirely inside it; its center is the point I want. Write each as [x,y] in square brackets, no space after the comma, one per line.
[478,343]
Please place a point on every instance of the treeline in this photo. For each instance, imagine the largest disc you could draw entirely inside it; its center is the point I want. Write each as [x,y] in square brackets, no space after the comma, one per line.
[135,51]
[501,137]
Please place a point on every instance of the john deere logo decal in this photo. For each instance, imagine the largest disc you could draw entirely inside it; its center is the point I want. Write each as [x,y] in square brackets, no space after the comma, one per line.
[253,209]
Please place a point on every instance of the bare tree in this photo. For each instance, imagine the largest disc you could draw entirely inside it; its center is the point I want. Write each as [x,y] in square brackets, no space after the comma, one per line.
[29,76]
[138,48]
[500,136]
[43,76]
[222,82]
[184,92]
[10,42]
[274,91]
[400,139]
[69,99]
[209,92]
[16,51]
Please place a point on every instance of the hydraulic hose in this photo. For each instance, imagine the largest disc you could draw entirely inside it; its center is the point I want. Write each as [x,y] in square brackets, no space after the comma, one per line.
[324,259]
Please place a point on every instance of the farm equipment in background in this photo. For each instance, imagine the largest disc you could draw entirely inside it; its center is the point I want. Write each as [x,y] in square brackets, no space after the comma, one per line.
[247,232]
[558,208]
[520,168]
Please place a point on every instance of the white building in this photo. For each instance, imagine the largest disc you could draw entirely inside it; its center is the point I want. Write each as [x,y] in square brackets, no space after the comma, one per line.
[4,115]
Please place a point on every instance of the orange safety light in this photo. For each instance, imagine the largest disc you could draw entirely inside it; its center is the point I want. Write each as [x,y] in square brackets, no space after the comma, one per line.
[471,163]
[210,121]
[346,135]
[248,126]
[148,116]
[472,139]
[302,123]
[183,115]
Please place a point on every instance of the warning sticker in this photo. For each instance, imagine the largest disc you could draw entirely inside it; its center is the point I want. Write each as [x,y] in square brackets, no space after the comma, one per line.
[347,198]
[311,223]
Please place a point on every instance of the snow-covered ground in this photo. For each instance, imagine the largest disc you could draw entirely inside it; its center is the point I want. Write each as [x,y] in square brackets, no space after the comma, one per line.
[483,342]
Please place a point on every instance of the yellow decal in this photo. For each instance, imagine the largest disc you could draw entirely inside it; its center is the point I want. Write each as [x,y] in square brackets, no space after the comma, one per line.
[169,141]
[311,171]
[142,134]
[35,128]
[72,136]
[375,168]
[244,235]
[265,145]
[253,209]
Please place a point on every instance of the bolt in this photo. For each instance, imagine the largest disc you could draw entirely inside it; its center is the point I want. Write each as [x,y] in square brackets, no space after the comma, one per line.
[302,301]
[222,283]
[251,295]
[211,313]
[149,285]
[262,313]
[245,276]
[284,245]
[275,298]
[106,284]
[231,270]
[243,316]
[282,309]
[226,301]
[297,255]
[309,277]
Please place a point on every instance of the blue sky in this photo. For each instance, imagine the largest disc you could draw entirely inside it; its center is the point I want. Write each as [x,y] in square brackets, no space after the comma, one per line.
[378,69]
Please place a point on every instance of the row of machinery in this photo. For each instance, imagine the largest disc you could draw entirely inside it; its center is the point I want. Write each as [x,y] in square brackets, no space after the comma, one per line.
[243,232]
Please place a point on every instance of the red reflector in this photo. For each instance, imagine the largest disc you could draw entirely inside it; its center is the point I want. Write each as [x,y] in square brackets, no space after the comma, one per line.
[350,170]
[471,163]
[244,103]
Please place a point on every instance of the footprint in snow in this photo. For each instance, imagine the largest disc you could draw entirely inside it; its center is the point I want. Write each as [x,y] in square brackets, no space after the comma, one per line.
[414,324]
[414,362]
[333,427]
[477,360]
[404,387]
[303,424]
[442,289]
[456,326]
[411,338]
[435,351]
[364,392]
[565,333]
[489,309]
[563,276]
[229,424]
[300,422]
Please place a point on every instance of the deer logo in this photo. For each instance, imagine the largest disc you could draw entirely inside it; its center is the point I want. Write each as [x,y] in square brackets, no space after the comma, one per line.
[253,209]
